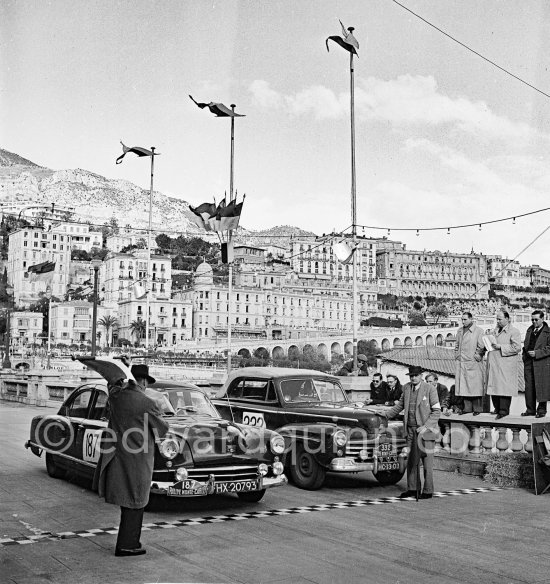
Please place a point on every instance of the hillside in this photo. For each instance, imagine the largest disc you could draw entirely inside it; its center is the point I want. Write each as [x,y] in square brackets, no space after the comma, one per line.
[97,199]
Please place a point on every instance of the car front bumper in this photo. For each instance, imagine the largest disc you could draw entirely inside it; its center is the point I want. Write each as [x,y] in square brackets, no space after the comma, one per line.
[163,487]
[347,464]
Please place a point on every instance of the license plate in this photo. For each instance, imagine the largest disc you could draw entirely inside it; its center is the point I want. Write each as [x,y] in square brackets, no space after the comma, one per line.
[388,466]
[387,457]
[187,488]
[236,487]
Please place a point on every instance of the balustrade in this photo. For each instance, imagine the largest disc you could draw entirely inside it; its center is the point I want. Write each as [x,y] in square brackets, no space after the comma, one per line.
[484,434]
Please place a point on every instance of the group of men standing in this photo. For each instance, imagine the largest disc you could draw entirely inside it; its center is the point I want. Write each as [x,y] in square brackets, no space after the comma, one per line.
[498,376]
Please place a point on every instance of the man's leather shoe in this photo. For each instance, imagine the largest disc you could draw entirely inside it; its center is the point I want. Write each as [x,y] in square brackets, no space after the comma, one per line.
[540,414]
[494,412]
[476,413]
[527,414]
[426,496]
[130,552]
[407,494]
[499,416]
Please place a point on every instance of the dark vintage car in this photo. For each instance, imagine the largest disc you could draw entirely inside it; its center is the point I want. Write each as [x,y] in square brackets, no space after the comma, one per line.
[202,454]
[323,430]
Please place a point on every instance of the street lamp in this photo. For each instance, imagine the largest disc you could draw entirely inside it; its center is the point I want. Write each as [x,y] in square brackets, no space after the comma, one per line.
[95,265]
[6,363]
[48,294]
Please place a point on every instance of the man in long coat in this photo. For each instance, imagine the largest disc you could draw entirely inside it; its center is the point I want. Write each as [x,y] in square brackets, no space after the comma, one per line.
[536,366]
[502,365]
[125,469]
[421,411]
[470,370]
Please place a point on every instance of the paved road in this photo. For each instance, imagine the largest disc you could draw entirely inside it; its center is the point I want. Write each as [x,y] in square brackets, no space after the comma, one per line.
[351,531]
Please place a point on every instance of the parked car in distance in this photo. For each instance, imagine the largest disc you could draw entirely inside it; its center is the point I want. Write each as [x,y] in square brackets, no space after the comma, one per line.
[323,430]
[202,454]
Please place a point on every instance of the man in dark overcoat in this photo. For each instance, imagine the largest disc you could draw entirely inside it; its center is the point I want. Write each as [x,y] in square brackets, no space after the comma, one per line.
[421,411]
[536,366]
[125,469]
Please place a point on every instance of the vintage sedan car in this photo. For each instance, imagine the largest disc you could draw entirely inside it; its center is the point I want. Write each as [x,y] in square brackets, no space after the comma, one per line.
[323,430]
[202,454]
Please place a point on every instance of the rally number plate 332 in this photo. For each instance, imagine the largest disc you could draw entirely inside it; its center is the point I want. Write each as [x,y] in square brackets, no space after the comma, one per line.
[387,457]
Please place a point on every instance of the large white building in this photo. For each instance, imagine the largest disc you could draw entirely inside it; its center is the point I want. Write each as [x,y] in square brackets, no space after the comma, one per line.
[316,259]
[123,276]
[506,272]
[25,328]
[80,235]
[71,322]
[31,246]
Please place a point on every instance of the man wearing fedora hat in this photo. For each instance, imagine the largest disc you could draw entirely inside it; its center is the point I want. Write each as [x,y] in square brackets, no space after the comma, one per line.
[421,409]
[124,471]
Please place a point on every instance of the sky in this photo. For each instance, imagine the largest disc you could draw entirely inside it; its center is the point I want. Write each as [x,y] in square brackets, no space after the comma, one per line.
[443,137]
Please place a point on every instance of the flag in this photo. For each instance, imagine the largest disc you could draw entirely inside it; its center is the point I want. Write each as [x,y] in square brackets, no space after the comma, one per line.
[135,149]
[139,290]
[220,110]
[343,252]
[202,214]
[348,42]
[230,215]
[41,272]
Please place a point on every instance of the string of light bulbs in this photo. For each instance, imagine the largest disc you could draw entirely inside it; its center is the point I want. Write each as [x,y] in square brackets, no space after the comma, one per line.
[448,229]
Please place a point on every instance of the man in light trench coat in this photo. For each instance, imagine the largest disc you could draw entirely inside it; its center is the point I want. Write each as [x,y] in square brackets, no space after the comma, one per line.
[503,364]
[470,369]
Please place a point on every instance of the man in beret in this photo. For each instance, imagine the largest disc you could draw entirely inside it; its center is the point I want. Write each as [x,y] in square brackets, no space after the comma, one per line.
[347,368]
[421,411]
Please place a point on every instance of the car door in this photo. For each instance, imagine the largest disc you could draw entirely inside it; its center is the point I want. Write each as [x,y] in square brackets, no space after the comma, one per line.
[252,402]
[77,411]
[88,438]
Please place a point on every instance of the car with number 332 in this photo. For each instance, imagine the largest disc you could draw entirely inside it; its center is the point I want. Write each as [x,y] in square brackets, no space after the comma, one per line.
[323,430]
[202,454]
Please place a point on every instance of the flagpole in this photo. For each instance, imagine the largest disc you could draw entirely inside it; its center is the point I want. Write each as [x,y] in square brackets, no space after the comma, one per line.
[353,206]
[229,237]
[147,280]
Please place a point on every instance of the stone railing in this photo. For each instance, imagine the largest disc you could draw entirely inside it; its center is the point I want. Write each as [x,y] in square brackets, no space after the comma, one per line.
[42,388]
[468,434]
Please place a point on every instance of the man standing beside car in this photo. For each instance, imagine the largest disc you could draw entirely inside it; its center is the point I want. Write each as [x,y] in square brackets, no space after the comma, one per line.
[125,469]
[421,411]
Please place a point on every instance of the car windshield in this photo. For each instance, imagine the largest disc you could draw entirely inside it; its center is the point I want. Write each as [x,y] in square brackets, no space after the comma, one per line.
[189,401]
[311,390]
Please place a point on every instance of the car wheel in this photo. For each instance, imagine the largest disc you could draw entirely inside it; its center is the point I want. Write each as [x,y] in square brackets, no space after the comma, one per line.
[53,468]
[252,496]
[389,477]
[306,472]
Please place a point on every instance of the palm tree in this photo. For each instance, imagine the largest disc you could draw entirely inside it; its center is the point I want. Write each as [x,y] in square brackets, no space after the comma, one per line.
[108,322]
[137,327]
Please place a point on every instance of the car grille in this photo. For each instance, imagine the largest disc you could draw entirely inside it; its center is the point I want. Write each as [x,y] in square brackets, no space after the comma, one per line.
[221,473]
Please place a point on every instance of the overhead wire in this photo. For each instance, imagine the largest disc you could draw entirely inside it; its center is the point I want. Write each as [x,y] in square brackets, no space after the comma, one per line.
[464,45]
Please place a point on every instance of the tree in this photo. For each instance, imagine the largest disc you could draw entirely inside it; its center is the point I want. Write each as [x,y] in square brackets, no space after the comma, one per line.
[108,322]
[137,328]
[80,255]
[416,318]
[438,312]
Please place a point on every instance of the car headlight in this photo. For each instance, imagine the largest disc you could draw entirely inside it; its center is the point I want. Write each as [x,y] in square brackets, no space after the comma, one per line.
[263,469]
[182,474]
[277,444]
[169,448]
[340,438]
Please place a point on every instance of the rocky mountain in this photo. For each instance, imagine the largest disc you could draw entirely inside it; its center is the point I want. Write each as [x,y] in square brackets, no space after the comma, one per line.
[97,199]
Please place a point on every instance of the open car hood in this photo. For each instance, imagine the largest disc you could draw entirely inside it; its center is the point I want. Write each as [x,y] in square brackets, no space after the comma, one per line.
[112,370]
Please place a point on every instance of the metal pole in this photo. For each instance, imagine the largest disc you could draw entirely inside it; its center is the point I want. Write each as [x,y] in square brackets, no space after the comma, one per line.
[147,290]
[49,333]
[229,238]
[353,208]
[94,312]
[7,363]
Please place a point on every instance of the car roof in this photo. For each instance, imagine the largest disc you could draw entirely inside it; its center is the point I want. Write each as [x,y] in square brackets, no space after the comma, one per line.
[160,385]
[277,373]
